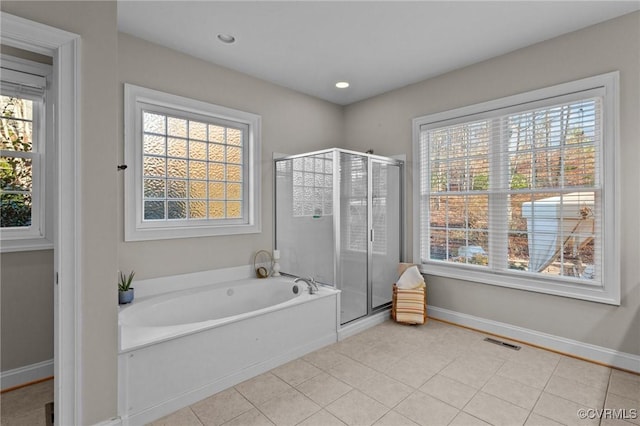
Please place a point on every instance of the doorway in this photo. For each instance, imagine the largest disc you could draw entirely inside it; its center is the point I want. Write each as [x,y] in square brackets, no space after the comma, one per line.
[63,47]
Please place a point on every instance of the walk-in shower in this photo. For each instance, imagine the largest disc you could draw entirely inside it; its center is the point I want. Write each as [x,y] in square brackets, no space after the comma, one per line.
[339,220]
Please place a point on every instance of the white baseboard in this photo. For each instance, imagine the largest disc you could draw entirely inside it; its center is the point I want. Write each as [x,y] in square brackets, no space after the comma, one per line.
[588,351]
[362,324]
[27,374]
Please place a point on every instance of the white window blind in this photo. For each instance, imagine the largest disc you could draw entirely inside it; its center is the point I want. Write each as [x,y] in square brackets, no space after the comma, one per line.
[517,191]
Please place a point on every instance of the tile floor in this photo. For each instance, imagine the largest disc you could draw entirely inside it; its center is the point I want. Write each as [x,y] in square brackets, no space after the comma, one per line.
[396,375]
[436,374]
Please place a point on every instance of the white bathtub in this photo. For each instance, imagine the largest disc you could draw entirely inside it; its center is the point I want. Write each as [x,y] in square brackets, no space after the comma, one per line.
[179,347]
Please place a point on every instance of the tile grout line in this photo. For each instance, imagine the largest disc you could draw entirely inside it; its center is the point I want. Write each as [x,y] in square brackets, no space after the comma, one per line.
[542,392]
[252,404]
[606,395]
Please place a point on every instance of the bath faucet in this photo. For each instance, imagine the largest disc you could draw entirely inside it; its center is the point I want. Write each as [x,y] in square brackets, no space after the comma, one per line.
[311,283]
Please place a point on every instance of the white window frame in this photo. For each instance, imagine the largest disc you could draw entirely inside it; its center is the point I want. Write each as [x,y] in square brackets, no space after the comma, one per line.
[608,290]
[39,235]
[136,99]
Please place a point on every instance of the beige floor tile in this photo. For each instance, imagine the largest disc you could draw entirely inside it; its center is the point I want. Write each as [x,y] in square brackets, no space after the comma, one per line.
[538,420]
[535,375]
[464,419]
[261,388]
[325,358]
[614,422]
[398,348]
[323,389]
[394,419]
[410,373]
[376,359]
[426,410]
[221,407]
[288,408]
[427,360]
[352,373]
[583,372]
[625,375]
[322,418]
[474,371]
[252,417]
[496,411]
[296,371]
[388,331]
[463,336]
[183,417]
[561,410]
[450,350]
[626,385]
[386,390]
[630,406]
[514,392]
[530,355]
[366,339]
[448,390]
[357,409]
[353,346]
[577,392]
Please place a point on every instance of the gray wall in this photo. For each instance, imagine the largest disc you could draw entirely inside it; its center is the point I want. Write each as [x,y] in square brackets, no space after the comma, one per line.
[384,124]
[291,123]
[26,310]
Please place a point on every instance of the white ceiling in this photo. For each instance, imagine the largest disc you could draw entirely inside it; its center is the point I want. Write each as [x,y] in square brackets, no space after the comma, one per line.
[375,45]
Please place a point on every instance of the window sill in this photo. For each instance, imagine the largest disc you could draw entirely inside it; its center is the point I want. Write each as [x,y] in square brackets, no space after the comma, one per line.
[35,244]
[592,293]
[166,233]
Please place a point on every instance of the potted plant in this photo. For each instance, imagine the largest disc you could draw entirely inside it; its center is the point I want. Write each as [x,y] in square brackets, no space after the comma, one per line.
[125,291]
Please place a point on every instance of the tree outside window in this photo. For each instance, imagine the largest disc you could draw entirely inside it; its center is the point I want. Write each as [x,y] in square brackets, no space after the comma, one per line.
[16,173]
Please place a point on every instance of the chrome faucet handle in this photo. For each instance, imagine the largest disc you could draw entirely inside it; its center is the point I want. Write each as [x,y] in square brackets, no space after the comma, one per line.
[314,285]
[311,284]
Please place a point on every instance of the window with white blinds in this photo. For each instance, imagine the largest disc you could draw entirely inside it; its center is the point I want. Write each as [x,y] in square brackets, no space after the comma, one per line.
[23,164]
[520,192]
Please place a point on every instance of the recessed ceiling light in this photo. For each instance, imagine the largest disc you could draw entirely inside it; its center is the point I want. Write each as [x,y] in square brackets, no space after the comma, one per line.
[226,38]
[342,84]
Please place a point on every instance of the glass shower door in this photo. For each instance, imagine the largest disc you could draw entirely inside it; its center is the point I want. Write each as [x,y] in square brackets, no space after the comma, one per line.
[352,257]
[386,231]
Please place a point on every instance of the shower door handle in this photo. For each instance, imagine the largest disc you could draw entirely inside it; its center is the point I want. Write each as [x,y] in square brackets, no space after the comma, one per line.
[371,235]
